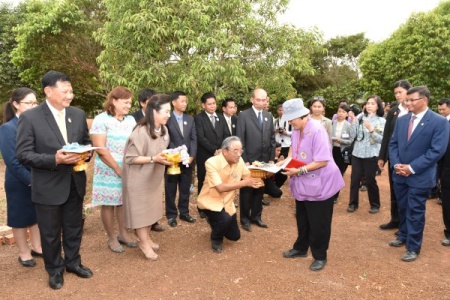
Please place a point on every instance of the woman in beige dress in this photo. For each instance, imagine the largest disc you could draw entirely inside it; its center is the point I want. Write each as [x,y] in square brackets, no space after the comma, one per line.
[143,172]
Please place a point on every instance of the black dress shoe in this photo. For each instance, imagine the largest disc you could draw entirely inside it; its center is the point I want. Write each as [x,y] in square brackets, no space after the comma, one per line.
[36,254]
[216,246]
[172,222]
[203,215]
[396,243]
[446,242]
[318,265]
[351,208]
[27,263]
[389,225]
[260,224]
[294,253]
[187,218]
[80,271]
[56,281]
[247,227]
[265,202]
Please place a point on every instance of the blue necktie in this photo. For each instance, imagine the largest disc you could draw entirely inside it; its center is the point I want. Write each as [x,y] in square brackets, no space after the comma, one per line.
[260,120]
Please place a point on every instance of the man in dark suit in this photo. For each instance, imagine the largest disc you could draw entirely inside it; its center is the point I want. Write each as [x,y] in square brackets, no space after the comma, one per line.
[211,131]
[57,190]
[143,97]
[419,140]
[256,130]
[445,178]
[400,89]
[182,132]
[229,109]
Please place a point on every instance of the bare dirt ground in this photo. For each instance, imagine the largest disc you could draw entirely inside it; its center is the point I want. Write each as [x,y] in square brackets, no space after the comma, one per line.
[361,265]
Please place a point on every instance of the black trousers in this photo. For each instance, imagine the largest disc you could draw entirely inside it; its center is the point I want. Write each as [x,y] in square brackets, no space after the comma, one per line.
[201,173]
[250,204]
[394,205]
[182,182]
[314,226]
[445,194]
[223,225]
[366,167]
[63,220]
[271,188]
[339,160]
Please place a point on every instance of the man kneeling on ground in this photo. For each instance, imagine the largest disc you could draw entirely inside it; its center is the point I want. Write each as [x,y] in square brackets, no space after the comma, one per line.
[225,173]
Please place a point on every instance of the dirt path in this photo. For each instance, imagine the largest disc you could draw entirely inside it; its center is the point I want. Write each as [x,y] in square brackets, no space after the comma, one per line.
[361,265]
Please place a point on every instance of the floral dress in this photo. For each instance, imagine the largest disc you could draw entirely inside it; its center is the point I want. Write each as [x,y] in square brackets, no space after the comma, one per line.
[107,186]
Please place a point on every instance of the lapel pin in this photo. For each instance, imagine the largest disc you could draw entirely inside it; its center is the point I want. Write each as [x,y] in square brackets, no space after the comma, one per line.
[217,119]
[185,123]
[70,120]
[234,126]
[265,119]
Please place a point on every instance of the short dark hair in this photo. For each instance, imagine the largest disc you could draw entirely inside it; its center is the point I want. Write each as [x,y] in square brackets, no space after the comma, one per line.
[403,83]
[225,102]
[421,89]
[206,96]
[145,95]
[175,95]
[316,99]
[444,101]
[343,101]
[52,77]
[344,107]
[380,110]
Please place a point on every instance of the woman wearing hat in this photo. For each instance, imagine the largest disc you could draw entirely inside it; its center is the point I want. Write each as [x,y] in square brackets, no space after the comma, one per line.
[313,185]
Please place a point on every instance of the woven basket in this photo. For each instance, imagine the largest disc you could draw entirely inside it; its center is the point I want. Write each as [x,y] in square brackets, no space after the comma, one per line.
[258,173]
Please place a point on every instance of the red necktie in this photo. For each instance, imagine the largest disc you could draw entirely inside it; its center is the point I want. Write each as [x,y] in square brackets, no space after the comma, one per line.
[411,125]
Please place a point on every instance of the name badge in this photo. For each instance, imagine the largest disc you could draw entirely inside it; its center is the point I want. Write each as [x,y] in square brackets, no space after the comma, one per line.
[345,136]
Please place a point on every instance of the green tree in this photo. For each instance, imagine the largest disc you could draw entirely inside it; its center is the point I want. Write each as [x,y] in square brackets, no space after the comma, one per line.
[58,35]
[227,47]
[418,51]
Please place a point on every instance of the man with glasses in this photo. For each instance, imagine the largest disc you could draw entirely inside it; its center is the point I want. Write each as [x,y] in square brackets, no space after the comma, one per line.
[419,140]
[225,173]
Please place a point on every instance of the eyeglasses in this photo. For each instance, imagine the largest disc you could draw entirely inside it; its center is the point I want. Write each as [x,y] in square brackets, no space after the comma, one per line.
[30,103]
[413,100]
[236,151]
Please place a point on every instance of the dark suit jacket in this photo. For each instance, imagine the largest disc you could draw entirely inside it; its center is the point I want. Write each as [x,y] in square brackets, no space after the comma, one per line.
[426,146]
[189,136]
[258,144]
[138,115]
[38,139]
[209,139]
[391,119]
[445,168]
[233,125]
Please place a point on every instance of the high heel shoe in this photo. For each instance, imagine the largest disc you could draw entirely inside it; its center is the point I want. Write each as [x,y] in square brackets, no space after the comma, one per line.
[149,253]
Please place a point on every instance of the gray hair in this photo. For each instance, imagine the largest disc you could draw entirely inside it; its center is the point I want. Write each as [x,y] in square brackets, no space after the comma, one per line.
[227,142]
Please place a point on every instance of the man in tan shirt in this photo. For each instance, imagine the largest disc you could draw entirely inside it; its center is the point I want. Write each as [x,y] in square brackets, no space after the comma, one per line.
[225,173]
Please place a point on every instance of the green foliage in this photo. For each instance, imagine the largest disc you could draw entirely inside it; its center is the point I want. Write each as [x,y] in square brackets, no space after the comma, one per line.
[418,51]
[57,35]
[227,47]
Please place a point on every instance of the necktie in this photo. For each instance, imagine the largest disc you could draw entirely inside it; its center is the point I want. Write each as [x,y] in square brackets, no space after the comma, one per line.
[410,126]
[62,125]
[229,125]
[260,120]
[213,121]
[180,124]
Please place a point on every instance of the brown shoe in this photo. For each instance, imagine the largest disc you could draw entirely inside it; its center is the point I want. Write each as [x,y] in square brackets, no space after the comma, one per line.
[157,227]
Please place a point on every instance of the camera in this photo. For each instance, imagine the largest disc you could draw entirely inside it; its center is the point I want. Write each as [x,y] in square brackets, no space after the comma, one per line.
[355,109]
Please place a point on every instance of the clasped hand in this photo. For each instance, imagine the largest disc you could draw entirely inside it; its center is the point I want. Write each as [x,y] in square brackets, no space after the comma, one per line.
[402,170]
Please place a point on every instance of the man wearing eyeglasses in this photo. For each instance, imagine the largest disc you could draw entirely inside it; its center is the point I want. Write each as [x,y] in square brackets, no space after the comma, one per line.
[223,177]
[419,140]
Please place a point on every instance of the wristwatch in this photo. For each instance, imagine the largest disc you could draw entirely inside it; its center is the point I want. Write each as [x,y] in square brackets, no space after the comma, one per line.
[151,159]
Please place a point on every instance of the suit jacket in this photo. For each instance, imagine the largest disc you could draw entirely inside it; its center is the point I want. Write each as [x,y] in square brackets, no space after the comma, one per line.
[391,119]
[425,147]
[38,139]
[445,168]
[138,115]
[189,136]
[345,142]
[233,125]
[258,144]
[209,139]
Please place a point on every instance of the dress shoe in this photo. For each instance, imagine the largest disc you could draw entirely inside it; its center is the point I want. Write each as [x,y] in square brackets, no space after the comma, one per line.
[172,222]
[202,215]
[446,242]
[318,265]
[157,227]
[439,201]
[27,263]
[56,281]
[260,223]
[294,253]
[389,225]
[374,210]
[216,246]
[36,254]
[351,208]
[247,227]
[131,244]
[409,256]
[80,271]
[363,188]
[396,243]
[187,218]
[265,202]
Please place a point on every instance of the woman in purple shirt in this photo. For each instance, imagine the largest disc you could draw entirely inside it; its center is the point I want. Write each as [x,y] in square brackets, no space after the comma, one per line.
[312,185]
